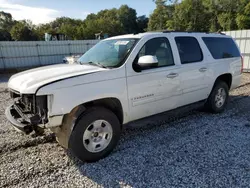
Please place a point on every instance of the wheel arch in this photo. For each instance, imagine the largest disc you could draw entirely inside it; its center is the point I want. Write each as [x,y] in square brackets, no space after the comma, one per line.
[69,120]
[227,78]
[113,104]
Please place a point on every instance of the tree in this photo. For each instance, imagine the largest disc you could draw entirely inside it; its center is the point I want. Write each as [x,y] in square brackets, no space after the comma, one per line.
[227,21]
[161,15]
[69,30]
[111,21]
[243,17]
[228,13]
[213,10]
[200,15]
[185,15]
[6,23]
[4,35]
[127,17]
[21,32]
[142,23]
[189,15]
[105,21]
[41,29]
[163,2]
[222,14]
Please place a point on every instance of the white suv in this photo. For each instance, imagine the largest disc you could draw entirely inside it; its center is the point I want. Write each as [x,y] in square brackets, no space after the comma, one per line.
[120,80]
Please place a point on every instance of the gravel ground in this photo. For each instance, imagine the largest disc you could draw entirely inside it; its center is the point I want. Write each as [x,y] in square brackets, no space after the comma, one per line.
[198,150]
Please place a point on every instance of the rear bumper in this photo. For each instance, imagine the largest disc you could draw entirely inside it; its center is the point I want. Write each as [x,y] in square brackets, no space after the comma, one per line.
[11,114]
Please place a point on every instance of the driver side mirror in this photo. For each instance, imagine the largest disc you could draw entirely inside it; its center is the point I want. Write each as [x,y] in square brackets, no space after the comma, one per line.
[147,61]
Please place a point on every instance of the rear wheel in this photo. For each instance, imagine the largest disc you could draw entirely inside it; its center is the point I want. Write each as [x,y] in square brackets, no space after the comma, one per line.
[218,98]
[95,134]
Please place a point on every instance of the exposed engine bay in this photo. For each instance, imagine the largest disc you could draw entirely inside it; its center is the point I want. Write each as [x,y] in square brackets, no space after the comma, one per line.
[29,110]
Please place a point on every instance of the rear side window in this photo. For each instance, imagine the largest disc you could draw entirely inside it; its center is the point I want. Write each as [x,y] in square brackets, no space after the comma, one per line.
[189,49]
[221,48]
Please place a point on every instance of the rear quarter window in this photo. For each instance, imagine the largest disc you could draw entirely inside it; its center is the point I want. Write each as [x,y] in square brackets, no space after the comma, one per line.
[221,48]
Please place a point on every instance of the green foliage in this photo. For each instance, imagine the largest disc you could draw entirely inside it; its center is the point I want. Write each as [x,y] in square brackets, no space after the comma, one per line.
[127,17]
[113,22]
[227,14]
[200,15]
[142,23]
[185,15]
[21,31]
[6,23]
[161,15]
[190,15]
[4,35]
[243,17]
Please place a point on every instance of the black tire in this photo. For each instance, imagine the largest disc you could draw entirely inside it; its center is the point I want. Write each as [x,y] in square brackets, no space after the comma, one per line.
[92,114]
[211,101]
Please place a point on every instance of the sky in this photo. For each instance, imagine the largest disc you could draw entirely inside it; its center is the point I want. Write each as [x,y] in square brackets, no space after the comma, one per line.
[44,11]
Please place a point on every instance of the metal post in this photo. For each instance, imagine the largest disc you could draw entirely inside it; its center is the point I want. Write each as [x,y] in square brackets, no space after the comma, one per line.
[2,57]
[244,48]
[69,49]
[240,38]
[38,55]
[87,47]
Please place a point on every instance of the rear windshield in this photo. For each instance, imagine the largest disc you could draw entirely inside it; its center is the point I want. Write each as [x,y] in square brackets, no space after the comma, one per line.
[221,48]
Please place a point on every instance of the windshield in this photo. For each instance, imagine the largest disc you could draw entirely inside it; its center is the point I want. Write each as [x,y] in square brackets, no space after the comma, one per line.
[108,53]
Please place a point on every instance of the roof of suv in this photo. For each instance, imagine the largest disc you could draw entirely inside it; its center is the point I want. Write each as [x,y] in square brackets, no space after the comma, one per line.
[173,33]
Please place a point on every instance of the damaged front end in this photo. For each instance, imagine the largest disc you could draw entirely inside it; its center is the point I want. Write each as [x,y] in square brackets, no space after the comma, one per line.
[28,112]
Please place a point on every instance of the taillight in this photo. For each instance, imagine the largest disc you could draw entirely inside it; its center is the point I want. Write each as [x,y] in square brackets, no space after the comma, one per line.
[242,63]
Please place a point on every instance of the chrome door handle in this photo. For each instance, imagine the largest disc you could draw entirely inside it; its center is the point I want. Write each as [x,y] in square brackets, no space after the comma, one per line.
[203,69]
[172,75]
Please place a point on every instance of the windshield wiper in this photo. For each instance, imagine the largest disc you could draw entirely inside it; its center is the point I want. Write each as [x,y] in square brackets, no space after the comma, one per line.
[96,64]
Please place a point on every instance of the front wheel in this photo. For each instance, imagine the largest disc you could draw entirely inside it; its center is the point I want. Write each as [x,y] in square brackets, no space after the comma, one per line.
[95,134]
[218,98]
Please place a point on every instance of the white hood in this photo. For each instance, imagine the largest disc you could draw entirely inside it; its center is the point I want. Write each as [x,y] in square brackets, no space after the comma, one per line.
[29,81]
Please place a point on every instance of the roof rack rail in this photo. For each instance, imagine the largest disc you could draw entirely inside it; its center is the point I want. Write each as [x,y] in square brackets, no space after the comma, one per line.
[219,32]
[176,31]
[179,31]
